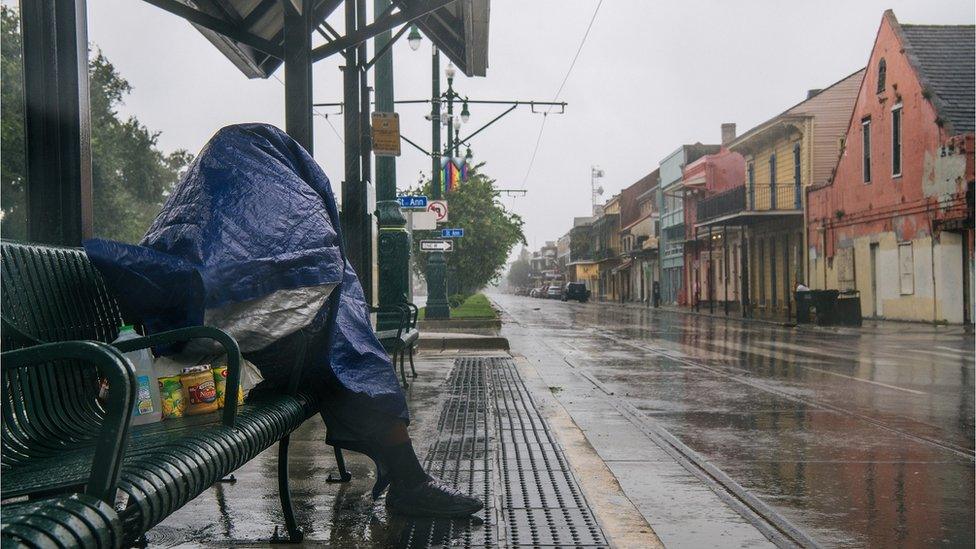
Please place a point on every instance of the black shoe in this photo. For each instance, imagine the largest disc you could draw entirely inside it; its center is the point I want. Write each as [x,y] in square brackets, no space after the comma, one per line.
[431,498]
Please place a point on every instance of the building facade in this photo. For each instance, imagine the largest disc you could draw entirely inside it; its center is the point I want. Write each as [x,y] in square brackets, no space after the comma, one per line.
[636,237]
[782,157]
[711,256]
[672,217]
[895,222]
[606,250]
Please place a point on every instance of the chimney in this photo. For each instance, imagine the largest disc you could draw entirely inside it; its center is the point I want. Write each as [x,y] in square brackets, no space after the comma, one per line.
[728,133]
[813,92]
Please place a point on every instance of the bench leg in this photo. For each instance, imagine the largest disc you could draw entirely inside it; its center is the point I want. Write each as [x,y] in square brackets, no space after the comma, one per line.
[295,534]
[344,474]
[403,375]
[413,371]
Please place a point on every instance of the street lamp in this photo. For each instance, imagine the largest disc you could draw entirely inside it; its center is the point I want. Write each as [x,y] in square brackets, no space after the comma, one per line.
[414,38]
[465,113]
[468,156]
[449,70]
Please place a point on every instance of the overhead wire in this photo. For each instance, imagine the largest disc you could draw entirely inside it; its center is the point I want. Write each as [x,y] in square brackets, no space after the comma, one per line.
[545,115]
[316,112]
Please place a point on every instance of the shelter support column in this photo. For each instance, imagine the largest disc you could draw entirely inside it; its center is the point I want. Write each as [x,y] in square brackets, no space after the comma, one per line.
[354,192]
[393,249]
[56,123]
[298,73]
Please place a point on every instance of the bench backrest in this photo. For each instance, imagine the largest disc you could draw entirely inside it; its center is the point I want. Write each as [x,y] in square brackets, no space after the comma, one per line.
[55,294]
[50,294]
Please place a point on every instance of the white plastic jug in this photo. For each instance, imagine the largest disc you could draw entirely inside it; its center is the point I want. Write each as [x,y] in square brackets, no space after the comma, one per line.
[148,407]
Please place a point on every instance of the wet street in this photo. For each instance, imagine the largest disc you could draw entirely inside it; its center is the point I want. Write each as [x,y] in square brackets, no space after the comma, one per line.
[728,433]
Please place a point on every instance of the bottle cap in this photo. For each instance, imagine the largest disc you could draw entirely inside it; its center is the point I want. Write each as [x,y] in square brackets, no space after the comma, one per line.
[127,328]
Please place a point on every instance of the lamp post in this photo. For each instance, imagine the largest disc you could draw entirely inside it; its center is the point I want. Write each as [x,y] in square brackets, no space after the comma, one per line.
[393,240]
[437,306]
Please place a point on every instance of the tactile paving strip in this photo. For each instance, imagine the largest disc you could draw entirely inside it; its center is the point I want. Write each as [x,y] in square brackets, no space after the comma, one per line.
[491,436]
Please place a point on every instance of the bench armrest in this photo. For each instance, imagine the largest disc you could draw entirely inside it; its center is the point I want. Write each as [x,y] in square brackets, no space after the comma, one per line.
[110,447]
[200,332]
[400,311]
[416,313]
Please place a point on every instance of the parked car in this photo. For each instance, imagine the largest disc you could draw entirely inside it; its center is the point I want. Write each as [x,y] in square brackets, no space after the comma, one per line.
[554,292]
[577,291]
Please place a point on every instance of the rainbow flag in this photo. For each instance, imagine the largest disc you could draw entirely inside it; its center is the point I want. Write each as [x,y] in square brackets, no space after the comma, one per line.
[453,172]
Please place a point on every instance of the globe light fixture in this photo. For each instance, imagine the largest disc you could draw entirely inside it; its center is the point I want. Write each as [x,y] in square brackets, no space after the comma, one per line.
[449,70]
[465,113]
[414,38]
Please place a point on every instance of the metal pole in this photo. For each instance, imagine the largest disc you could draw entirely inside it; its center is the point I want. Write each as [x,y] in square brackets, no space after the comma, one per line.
[365,161]
[353,195]
[393,248]
[725,262]
[57,126]
[298,73]
[711,271]
[437,307]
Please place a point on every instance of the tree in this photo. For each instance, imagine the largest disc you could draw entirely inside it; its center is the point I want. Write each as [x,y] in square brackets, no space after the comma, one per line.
[520,274]
[490,232]
[131,177]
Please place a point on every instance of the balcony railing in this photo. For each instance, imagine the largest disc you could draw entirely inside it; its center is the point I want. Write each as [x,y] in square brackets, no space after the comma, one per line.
[782,196]
[729,202]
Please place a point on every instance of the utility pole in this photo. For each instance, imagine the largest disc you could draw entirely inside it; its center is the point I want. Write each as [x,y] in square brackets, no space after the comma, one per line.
[393,250]
[437,307]
[353,188]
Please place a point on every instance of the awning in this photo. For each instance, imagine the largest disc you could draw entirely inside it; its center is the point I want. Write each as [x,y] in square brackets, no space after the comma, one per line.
[622,267]
[251,32]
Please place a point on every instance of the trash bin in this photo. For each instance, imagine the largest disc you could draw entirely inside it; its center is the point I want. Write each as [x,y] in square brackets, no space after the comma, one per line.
[804,302]
[848,308]
[823,308]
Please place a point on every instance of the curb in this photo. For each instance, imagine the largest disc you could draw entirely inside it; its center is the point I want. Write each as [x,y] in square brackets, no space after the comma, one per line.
[461,342]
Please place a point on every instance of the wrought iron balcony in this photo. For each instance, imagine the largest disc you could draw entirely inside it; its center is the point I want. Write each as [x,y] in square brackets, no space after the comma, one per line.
[726,203]
[764,197]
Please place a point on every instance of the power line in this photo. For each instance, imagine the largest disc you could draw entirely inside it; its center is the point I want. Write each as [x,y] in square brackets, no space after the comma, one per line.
[316,112]
[542,127]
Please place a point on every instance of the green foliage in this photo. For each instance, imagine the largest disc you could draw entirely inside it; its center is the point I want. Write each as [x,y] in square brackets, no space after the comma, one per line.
[131,177]
[520,274]
[490,232]
[475,306]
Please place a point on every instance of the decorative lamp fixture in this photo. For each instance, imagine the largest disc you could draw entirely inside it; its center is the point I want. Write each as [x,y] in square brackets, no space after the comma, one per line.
[449,70]
[414,38]
[465,113]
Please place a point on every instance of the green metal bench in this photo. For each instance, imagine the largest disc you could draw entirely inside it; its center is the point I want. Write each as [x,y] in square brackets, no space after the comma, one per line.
[76,520]
[402,341]
[57,438]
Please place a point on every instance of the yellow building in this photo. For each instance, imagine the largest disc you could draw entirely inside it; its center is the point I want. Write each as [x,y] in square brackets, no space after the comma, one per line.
[783,156]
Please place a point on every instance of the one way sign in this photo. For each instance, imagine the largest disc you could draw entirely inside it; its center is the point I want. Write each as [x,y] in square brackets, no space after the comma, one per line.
[436,246]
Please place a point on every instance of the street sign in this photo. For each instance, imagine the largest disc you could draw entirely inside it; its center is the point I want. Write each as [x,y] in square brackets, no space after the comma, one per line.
[422,221]
[386,134]
[439,207]
[452,233]
[436,246]
[418,202]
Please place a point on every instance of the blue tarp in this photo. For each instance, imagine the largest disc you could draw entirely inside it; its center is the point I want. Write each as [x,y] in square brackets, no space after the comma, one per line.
[253,214]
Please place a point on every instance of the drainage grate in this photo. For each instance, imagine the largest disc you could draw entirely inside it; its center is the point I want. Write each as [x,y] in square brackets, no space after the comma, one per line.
[491,436]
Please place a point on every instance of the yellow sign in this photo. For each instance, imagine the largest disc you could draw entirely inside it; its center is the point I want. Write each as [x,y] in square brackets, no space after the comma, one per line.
[386,134]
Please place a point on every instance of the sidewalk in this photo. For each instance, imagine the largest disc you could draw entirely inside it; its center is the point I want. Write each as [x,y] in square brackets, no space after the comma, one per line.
[478,422]
[872,326]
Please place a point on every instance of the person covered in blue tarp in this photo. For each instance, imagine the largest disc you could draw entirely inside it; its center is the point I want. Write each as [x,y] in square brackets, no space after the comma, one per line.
[250,241]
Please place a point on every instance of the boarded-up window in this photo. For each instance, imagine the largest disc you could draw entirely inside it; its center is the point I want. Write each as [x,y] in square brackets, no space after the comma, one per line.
[906,268]
[844,262]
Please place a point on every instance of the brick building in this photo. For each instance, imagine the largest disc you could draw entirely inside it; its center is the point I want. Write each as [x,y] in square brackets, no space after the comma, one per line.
[896,220]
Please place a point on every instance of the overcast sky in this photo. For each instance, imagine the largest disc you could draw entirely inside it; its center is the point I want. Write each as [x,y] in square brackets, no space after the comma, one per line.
[652,75]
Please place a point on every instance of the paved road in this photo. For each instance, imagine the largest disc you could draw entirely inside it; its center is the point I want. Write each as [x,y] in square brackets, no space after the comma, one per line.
[857,438]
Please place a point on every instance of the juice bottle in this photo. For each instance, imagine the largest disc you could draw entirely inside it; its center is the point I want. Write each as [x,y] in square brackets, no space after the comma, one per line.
[148,407]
